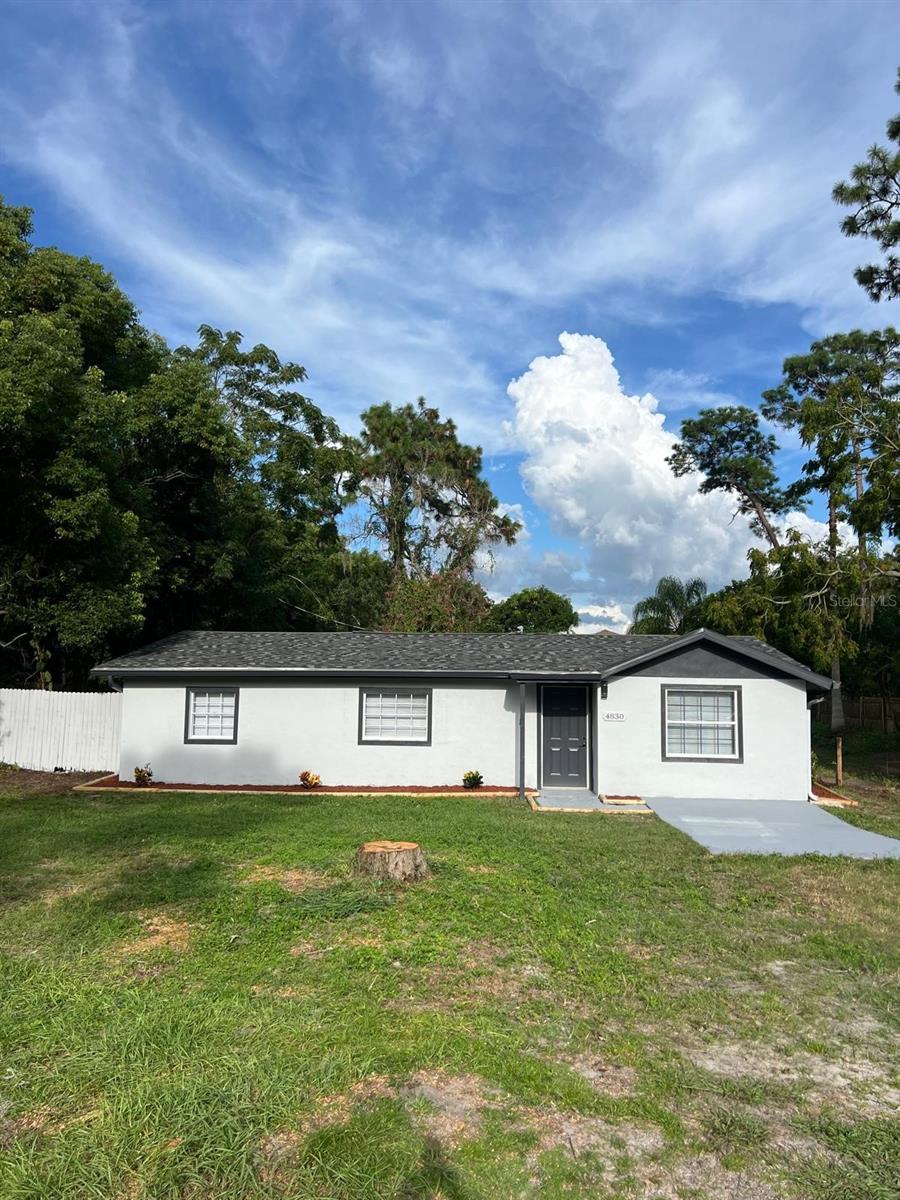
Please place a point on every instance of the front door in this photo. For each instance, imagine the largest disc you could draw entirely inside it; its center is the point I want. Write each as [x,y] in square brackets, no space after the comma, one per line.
[564,749]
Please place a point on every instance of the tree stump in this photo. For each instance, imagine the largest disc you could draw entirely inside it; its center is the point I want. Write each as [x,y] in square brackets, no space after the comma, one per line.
[401,861]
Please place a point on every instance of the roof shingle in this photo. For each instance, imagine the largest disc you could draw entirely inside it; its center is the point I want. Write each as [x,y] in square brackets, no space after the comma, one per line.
[397,653]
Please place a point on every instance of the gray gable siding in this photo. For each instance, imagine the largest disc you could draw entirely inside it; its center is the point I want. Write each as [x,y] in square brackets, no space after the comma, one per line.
[700,662]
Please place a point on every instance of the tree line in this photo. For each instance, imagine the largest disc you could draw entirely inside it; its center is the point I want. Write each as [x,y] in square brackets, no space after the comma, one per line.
[147,489]
[835,603]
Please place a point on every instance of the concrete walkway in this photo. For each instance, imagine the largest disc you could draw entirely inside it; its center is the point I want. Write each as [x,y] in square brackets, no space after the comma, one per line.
[770,827]
[578,800]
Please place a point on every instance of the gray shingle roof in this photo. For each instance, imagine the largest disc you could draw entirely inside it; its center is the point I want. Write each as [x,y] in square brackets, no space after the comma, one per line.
[412,653]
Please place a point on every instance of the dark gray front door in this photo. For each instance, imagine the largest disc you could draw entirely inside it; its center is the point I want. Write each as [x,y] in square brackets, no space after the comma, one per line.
[564,749]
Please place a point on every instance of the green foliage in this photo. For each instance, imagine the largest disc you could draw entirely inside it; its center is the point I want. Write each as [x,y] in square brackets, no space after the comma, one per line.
[425,501]
[146,490]
[729,449]
[143,776]
[472,779]
[842,398]
[873,193]
[76,559]
[674,607]
[533,610]
[448,602]
[797,598]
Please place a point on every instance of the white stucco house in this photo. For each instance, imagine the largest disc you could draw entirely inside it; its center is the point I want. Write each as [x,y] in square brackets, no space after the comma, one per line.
[651,715]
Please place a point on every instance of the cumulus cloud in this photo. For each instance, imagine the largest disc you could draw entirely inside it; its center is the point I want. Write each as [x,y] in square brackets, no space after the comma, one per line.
[595,461]
[602,618]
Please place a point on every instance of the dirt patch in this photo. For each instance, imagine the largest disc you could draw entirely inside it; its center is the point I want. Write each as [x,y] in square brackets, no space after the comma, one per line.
[857,1083]
[161,932]
[149,972]
[63,890]
[278,1150]
[578,1134]
[482,976]
[283,993]
[12,1128]
[291,879]
[313,948]
[16,781]
[702,1175]
[450,1109]
[452,1104]
[609,1079]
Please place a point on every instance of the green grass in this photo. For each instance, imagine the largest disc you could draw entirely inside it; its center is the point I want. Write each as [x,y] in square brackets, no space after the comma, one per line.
[571,1007]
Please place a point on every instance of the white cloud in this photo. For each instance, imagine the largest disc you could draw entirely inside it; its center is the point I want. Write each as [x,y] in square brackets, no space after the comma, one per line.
[595,464]
[595,461]
[594,618]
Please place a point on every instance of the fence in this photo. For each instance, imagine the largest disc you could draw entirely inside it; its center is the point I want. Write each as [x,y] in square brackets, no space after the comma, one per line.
[864,712]
[75,731]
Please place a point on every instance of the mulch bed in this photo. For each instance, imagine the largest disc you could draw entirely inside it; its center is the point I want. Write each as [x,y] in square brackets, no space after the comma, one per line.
[115,783]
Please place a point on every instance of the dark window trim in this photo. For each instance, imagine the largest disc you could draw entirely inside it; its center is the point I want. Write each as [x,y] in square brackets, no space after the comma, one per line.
[364,741]
[207,687]
[739,724]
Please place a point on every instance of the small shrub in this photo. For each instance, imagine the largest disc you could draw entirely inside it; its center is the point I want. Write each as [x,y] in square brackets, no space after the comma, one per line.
[815,766]
[473,779]
[309,779]
[143,776]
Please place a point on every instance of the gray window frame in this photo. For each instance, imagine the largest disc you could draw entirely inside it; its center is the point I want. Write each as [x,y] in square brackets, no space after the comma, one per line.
[361,740]
[722,759]
[210,687]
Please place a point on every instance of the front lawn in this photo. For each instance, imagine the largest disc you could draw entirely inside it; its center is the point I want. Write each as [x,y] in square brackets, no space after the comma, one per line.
[199,1001]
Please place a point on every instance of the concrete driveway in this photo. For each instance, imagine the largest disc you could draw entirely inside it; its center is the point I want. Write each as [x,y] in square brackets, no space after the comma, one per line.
[770,827]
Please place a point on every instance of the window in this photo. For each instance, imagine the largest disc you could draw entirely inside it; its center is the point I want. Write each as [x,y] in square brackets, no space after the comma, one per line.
[702,723]
[395,715]
[211,715]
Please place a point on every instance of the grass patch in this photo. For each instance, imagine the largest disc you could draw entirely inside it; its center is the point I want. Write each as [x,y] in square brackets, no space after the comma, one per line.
[570,1006]
[865,1163]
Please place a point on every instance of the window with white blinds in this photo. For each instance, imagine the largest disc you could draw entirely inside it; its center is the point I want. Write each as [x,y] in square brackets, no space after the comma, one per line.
[211,715]
[395,715]
[701,724]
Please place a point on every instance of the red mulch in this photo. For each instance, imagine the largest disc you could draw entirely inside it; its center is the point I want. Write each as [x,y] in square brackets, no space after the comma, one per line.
[113,781]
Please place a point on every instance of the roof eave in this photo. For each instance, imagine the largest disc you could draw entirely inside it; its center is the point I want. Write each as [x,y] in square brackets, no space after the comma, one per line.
[112,672]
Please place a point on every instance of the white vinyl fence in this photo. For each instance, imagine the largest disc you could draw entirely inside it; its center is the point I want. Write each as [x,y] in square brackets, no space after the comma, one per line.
[77,731]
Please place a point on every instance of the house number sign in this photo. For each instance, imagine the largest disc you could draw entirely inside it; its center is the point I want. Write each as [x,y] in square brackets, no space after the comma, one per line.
[613,716]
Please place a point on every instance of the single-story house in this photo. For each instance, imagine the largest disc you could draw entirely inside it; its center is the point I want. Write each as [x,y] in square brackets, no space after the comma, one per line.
[700,715]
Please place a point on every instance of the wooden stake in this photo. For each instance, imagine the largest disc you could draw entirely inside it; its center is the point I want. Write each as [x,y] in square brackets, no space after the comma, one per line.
[839,760]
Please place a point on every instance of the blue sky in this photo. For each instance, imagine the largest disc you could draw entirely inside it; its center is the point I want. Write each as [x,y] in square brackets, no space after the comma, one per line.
[420,198]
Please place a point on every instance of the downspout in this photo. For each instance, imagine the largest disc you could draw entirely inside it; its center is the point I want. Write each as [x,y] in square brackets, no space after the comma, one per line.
[521,771]
[113,683]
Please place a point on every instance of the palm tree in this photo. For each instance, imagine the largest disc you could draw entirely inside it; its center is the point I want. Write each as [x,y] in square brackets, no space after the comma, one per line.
[674,607]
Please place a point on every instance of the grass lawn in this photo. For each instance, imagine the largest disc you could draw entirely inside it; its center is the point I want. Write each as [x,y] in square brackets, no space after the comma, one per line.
[199,1001]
